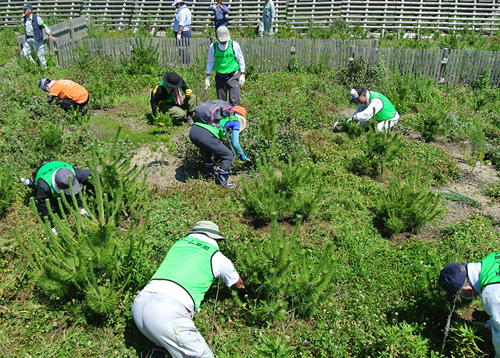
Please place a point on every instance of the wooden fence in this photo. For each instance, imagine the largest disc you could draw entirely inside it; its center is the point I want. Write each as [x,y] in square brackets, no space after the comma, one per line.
[373,15]
[440,65]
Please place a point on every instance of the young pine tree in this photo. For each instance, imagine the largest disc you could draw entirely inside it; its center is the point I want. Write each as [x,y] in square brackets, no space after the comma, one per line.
[382,146]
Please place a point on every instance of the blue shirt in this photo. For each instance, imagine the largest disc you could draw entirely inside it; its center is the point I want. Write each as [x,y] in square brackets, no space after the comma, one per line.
[235,135]
[182,18]
[219,14]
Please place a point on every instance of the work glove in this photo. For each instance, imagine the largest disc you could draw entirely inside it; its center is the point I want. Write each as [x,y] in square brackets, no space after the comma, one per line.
[243,157]
[350,120]
[207,82]
[242,80]
[213,6]
[25,181]
[54,231]
[489,324]
[178,36]
[84,212]
[189,92]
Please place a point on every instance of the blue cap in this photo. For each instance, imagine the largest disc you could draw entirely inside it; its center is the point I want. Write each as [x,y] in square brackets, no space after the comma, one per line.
[452,279]
[27,6]
[42,84]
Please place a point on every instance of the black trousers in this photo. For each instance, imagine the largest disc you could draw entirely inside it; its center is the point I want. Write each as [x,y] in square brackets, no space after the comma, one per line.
[211,146]
[67,104]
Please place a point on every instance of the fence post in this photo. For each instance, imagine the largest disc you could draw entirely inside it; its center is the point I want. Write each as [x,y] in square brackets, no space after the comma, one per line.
[442,67]
[71,30]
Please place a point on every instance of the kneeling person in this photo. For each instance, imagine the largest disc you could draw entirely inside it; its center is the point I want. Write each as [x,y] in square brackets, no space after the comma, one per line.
[374,105]
[68,93]
[207,137]
[166,97]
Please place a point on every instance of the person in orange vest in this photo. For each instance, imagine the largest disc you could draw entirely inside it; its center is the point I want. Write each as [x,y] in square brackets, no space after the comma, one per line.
[69,94]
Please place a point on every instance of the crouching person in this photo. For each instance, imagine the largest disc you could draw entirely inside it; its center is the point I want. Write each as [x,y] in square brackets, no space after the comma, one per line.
[163,311]
[69,94]
[213,121]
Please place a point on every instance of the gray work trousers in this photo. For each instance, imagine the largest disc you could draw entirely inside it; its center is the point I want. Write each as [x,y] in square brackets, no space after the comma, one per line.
[223,83]
[39,48]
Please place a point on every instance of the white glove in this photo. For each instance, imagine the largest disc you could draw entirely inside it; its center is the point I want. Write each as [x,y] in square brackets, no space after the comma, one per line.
[178,36]
[213,6]
[242,80]
[489,324]
[54,231]
[26,182]
[84,212]
[207,82]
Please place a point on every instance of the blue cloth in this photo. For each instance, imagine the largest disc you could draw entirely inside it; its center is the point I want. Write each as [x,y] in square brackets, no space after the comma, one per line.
[182,18]
[235,135]
[219,15]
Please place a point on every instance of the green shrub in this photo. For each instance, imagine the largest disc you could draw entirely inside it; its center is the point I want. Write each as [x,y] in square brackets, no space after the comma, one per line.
[477,145]
[401,340]
[7,182]
[407,205]
[493,191]
[143,58]
[464,342]
[283,191]
[384,147]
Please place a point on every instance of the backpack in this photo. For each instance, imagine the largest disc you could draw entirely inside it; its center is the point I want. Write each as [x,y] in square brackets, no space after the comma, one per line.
[212,112]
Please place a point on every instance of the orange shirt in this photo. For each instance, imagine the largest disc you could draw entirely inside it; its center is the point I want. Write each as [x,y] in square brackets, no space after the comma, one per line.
[69,89]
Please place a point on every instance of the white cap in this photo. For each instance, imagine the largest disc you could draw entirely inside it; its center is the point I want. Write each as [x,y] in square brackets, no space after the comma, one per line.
[223,34]
[177,2]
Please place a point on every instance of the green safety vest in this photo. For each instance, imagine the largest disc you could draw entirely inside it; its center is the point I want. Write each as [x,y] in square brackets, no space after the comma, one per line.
[388,111]
[189,264]
[490,270]
[225,61]
[217,131]
[47,171]
[170,99]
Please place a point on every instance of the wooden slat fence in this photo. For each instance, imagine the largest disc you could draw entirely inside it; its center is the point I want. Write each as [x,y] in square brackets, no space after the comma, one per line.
[373,15]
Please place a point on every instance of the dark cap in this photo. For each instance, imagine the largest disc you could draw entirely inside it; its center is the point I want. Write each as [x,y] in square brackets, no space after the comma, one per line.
[357,92]
[172,80]
[452,279]
[61,179]
[27,6]
[208,228]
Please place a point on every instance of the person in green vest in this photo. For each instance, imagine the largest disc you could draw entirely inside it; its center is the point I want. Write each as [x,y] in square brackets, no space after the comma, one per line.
[166,97]
[372,104]
[208,137]
[163,311]
[51,180]
[477,279]
[225,55]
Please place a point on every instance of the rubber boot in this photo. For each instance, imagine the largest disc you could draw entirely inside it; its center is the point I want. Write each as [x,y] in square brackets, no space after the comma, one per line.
[223,180]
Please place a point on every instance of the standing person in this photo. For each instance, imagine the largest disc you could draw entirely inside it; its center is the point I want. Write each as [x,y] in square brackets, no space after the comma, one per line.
[266,23]
[166,97]
[51,180]
[374,104]
[220,12]
[182,28]
[70,95]
[477,279]
[207,137]
[163,311]
[226,56]
[33,25]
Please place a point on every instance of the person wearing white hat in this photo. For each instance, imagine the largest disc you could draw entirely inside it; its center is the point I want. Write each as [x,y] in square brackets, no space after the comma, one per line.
[372,104]
[33,25]
[182,27]
[225,55]
[163,311]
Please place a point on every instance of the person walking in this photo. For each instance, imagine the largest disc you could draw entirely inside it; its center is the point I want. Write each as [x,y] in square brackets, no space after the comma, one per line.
[33,25]
[69,94]
[182,29]
[208,136]
[374,105]
[51,180]
[166,98]
[220,12]
[477,279]
[225,55]
[163,311]
[266,23]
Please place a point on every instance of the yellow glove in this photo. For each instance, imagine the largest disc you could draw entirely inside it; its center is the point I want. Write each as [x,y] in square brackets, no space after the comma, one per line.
[189,92]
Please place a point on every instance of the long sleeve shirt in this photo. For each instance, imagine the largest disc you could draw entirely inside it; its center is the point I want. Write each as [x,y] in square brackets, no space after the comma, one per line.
[364,112]
[182,18]
[223,47]
[29,25]
[235,136]
[162,94]
[219,13]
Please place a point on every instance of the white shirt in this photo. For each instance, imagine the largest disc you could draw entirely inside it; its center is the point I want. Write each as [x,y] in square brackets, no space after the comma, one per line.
[28,26]
[221,267]
[182,18]
[365,112]
[223,47]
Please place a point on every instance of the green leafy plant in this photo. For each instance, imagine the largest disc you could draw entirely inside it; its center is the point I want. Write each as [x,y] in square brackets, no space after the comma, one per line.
[464,342]
[143,57]
[407,205]
[477,145]
[283,275]
[401,340]
[493,191]
[281,191]
[460,198]
[51,137]
[7,181]
[275,348]
[382,146]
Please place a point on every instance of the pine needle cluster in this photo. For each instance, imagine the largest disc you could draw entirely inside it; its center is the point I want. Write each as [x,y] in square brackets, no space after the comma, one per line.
[383,147]
[283,277]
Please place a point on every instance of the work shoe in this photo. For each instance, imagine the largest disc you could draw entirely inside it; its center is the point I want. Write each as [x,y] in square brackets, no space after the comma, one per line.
[189,119]
[83,112]
[159,352]
[222,179]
